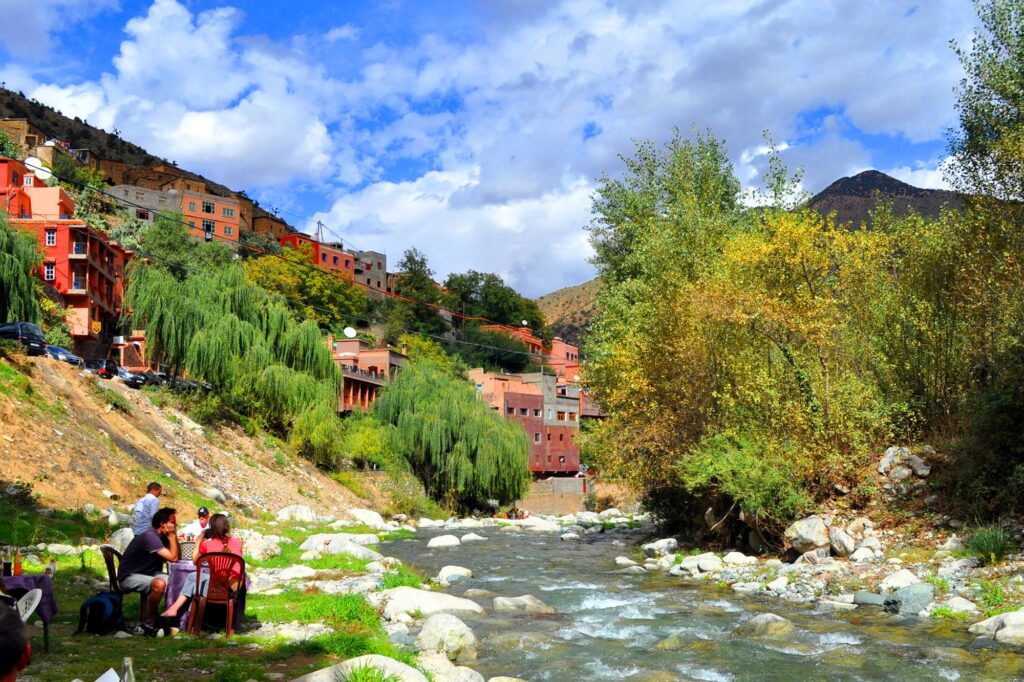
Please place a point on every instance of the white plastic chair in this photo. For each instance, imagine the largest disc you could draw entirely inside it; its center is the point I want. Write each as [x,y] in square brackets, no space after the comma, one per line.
[28,604]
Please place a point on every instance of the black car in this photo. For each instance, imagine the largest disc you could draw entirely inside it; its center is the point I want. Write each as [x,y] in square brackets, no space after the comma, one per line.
[64,355]
[105,369]
[30,336]
[130,378]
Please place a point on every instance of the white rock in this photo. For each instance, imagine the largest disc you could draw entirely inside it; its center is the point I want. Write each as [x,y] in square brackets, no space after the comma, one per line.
[341,546]
[444,541]
[584,518]
[297,512]
[807,534]
[778,584]
[841,542]
[368,518]
[260,549]
[311,555]
[897,580]
[445,575]
[708,564]
[341,523]
[120,539]
[61,550]
[570,536]
[408,600]
[446,634]
[389,666]
[612,513]
[745,588]
[738,559]
[527,603]
[473,537]
[919,466]
[872,543]
[660,547]
[624,561]
[320,540]
[215,495]
[429,523]
[961,605]
[296,572]
[1006,627]
[862,555]
[692,563]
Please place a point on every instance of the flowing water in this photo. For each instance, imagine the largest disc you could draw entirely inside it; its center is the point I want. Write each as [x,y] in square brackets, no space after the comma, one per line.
[614,627]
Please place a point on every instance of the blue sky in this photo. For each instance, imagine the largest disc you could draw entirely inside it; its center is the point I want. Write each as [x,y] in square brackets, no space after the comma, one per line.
[476,130]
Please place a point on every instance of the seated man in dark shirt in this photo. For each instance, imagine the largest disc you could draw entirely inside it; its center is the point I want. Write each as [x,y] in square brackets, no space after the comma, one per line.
[142,566]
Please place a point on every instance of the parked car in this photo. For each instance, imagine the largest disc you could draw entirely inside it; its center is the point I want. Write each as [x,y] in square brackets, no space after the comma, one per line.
[155,378]
[105,369]
[30,336]
[64,355]
[130,378]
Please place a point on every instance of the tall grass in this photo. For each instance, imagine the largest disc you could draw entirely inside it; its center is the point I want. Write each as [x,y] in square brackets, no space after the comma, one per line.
[990,544]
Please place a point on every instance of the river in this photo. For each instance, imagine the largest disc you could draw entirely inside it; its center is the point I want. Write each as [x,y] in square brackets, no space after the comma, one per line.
[613,626]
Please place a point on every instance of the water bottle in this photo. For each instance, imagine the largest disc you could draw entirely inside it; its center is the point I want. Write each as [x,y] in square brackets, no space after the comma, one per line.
[127,671]
[17,563]
[7,562]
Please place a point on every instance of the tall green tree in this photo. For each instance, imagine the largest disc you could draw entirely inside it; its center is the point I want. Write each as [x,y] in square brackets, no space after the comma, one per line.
[482,294]
[415,280]
[461,450]
[19,257]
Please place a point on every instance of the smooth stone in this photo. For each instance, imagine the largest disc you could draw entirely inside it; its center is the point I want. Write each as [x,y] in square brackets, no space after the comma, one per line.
[624,561]
[910,600]
[297,512]
[473,537]
[841,542]
[447,634]
[961,605]
[1007,628]
[900,579]
[296,572]
[778,584]
[388,666]
[660,547]
[738,559]
[319,540]
[862,555]
[368,518]
[444,541]
[863,597]
[446,574]
[409,600]
[766,626]
[570,536]
[807,534]
[480,594]
[526,603]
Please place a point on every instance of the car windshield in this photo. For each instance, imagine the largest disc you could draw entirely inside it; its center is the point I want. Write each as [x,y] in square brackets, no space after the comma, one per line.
[33,329]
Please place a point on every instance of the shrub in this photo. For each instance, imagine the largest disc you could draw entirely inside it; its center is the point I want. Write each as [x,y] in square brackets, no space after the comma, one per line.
[368,673]
[351,480]
[209,410]
[990,544]
[403,576]
[111,397]
[11,349]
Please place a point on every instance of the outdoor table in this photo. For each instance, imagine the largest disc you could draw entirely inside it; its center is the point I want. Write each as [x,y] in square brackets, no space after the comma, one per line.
[176,577]
[47,608]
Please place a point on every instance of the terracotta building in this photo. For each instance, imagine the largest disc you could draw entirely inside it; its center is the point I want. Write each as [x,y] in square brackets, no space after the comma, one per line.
[550,418]
[364,371]
[330,257]
[533,343]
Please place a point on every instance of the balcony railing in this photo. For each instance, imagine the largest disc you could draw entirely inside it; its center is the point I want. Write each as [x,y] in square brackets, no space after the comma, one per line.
[79,250]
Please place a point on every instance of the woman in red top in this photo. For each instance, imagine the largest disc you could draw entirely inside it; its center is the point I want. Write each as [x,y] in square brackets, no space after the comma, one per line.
[220,540]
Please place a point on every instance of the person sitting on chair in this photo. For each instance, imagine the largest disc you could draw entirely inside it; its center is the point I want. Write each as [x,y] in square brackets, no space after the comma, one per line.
[220,541]
[15,649]
[199,526]
[142,566]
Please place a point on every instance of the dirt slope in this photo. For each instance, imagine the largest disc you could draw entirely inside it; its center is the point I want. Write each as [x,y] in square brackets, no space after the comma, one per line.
[568,311]
[64,438]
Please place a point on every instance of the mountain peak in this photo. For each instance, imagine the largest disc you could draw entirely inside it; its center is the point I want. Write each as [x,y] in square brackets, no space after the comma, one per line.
[869,183]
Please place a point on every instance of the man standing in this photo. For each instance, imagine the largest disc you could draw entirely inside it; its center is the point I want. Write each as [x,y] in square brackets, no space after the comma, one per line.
[142,566]
[143,510]
[197,527]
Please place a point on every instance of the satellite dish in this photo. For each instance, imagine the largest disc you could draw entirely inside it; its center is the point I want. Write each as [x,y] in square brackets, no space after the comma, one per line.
[37,167]
[349,332]
[575,377]
[526,323]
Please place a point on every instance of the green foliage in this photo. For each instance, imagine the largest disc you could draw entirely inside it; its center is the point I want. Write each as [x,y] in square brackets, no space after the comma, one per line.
[9,147]
[494,351]
[406,495]
[326,300]
[53,319]
[455,444]
[481,294]
[991,545]
[403,576]
[111,397]
[946,613]
[19,257]
[990,594]
[368,673]
[415,280]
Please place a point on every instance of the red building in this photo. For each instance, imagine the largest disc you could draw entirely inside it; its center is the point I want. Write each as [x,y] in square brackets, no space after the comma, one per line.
[549,417]
[80,265]
[364,371]
[330,257]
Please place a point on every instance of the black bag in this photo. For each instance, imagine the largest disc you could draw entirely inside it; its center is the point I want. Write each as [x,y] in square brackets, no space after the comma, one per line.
[101,614]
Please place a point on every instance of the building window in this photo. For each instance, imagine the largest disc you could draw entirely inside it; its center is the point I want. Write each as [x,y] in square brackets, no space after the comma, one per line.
[348,263]
[523,411]
[549,413]
[208,207]
[323,257]
[536,413]
[561,459]
[549,436]
[510,410]
[140,196]
[191,223]
[48,272]
[228,212]
[561,416]
[228,230]
[561,436]
[209,226]
[367,280]
[14,178]
[162,201]
[334,259]
[28,180]
[572,416]
[191,205]
[51,237]
[142,214]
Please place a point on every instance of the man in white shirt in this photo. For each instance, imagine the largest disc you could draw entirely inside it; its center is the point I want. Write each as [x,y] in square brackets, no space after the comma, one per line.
[199,526]
[145,508]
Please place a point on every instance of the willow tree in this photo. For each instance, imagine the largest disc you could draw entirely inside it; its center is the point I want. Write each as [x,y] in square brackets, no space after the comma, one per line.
[19,256]
[454,443]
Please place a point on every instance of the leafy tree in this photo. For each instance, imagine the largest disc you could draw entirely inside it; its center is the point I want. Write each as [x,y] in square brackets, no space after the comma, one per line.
[492,350]
[312,294]
[480,294]
[9,147]
[170,245]
[455,444]
[415,280]
[19,257]
[259,245]
[53,318]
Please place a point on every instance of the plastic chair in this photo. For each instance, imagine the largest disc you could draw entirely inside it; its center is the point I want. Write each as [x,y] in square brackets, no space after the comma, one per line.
[219,566]
[112,558]
[28,604]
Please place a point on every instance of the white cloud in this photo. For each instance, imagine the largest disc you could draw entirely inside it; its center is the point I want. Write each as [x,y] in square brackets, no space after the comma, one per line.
[483,154]
[28,27]
[929,176]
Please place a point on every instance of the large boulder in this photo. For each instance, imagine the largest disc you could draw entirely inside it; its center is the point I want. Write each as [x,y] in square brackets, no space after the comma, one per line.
[260,549]
[807,534]
[1006,627]
[898,580]
[693,563]
[215,495]
[660,547]
[320,540]
[862,555]
[390,668]
[910,600]
[526,603]
[766,626]
[120,539]
[299,513]
[893,457]
[446,634]
[738,559]
[408,600]
[449,574]
[368,518]
[840,541]
[339,544]
[444,541]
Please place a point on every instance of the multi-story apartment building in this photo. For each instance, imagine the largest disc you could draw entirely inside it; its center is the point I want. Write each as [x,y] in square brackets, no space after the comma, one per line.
[364,371]
[371,270]
[145,203]
[550,418]
[80,265]
[330,257]
[211,216]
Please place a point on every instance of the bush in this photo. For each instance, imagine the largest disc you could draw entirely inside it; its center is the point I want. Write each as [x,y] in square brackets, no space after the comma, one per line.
[111,397]
[351,480]
[210,410]
[990,544]
[11,349]
[402,577]
[368,673]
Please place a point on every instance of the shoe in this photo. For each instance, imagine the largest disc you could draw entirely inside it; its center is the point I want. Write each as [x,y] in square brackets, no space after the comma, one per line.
[149,630]
[137,629]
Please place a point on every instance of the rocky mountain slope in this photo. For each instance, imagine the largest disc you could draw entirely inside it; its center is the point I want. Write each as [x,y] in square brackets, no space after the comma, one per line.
[77,444]
[854,198]
[568,311]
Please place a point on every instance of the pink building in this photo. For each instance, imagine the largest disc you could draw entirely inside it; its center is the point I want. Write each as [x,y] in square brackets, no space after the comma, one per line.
[364,371]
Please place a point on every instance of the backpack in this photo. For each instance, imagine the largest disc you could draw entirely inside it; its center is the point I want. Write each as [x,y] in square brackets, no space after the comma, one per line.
[101,614]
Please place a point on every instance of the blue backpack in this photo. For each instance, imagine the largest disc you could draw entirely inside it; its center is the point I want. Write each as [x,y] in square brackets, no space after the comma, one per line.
[101,614]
